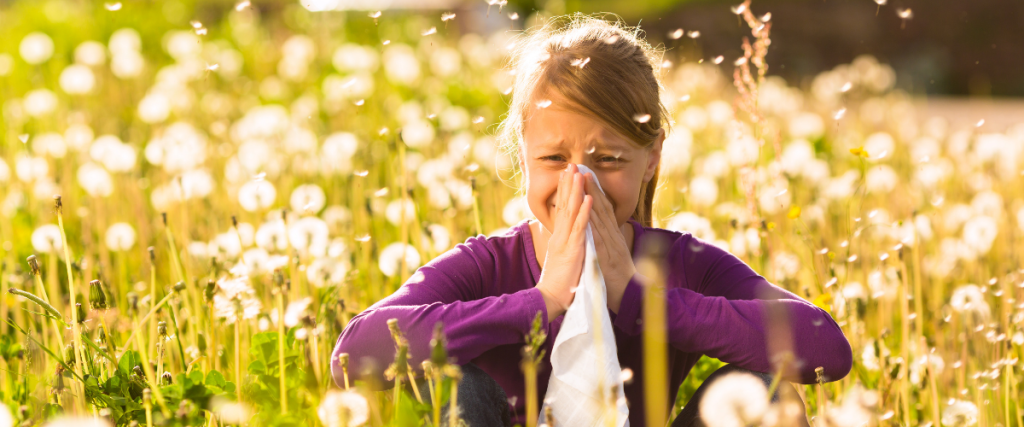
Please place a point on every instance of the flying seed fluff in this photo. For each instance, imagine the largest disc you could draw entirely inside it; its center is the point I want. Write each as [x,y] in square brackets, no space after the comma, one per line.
[620,82]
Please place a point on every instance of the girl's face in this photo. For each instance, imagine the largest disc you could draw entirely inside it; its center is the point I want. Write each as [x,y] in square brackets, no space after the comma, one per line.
[555,137]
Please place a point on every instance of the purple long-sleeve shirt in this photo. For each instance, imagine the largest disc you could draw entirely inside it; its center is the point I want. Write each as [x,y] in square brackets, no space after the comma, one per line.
[483,291]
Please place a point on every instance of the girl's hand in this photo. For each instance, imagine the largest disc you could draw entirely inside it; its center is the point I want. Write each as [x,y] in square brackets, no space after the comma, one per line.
[563,262]
[612,250]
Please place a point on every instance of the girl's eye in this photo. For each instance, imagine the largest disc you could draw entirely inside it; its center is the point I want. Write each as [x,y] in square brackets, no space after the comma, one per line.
[609,159]
[551,158]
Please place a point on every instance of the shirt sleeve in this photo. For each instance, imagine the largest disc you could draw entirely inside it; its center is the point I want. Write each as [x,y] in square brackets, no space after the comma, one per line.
[450,290]
[727,311]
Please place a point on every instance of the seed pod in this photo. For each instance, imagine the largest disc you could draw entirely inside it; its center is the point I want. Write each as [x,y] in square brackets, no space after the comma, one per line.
[161,329]
[438,347]
[211,289]
[97,299]
[166,378]
[69,354]
[33,263]
[133,301]
[147,397]
[152,254]
[80,311]
[201,342]
[180,286]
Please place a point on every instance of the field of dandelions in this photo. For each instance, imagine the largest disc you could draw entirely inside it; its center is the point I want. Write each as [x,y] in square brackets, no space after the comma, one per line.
[178,194]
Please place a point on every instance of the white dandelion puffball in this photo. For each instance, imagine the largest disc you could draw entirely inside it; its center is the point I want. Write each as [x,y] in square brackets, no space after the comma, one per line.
[6,64]
[293,314]
[796,155]
[343,408]
[91,53]
[120,236]
[394,212]
[806,126]
[115,155]
[675,154]
[689,222]
[125,40]
[969,298]
[736,399]
[256,195]
[961,413]
[49,144]
[418,133]
[391,256]
[309,235]
[308,197]
[271,236]
[516,209]
[703,191]
[742,150]
[36,48]
[440,236]
[46,239]
[6,419]
[30,168]
[127,65]
[980,232]
[77,80]
[355,57]
[154,108]
[401,64]
[95,180]
[881,179]
[40,102]
[327,272]
[879,144]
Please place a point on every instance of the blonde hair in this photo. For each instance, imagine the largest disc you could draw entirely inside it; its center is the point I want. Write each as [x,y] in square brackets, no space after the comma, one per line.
[604,68]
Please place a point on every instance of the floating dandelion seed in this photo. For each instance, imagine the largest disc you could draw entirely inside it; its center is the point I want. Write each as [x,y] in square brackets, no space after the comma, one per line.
[242,5]
[881,2]
[739,9]
[507,91]
[980,123]
[676,34]
[513,16]
[201,32]
[718,59]
[381,193]
[432,30]
[386,42]
[766,17]
[113,7]
[611,39]
[374,15]
[684,98]
[259,177]
[360,102]
[544,104]
[447,16]
[905,13]
[362,173]
[693,34]
[666,64]
[839,114]
[642,118]
[478,119]
[579,62]
[23,137]
[383,131]
[363,239]
[591,150]
[196,24]
[212,67]
[846,87]
[740,61]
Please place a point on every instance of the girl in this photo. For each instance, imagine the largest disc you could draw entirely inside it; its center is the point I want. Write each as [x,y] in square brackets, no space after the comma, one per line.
[587,93]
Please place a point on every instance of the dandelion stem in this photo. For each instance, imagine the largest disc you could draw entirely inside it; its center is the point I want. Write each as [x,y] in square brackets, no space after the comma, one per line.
[76,327]
[280,349]
[156,307]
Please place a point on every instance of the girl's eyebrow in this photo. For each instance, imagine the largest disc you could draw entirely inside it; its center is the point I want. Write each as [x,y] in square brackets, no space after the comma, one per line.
[594,143]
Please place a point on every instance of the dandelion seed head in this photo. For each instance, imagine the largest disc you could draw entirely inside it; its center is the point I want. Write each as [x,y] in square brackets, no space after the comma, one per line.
[432,30]
[905,13]
[693,34]
[343,408]
[718,59]
[113,7]
[675,34]
[735,399]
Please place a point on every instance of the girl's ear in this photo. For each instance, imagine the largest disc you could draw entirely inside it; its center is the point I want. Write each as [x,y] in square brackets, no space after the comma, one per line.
[654,155]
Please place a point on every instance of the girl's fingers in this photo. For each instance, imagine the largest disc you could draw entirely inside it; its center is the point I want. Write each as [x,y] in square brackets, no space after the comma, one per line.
[580,227]
[575,197]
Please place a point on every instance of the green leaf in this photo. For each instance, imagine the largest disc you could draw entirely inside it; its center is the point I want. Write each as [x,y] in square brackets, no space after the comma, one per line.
[214,378]
[130,359]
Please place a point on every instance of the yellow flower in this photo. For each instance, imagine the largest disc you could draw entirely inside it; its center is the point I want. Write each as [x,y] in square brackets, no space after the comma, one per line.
[794,212]
[859,151]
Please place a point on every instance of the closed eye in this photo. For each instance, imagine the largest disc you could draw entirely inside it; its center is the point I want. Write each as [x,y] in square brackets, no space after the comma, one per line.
[605,159]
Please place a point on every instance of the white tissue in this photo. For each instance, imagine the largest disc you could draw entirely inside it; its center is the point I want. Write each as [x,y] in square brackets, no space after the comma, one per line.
[584,360]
